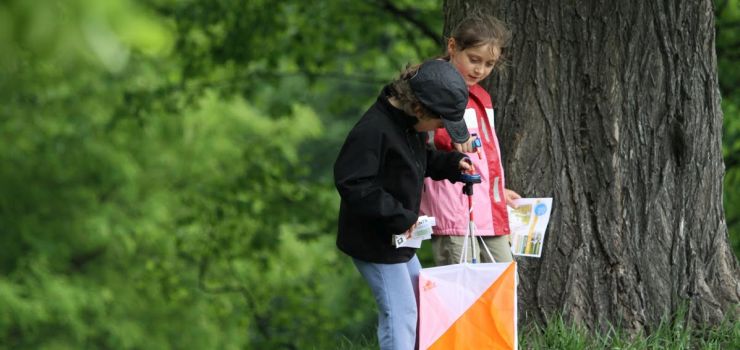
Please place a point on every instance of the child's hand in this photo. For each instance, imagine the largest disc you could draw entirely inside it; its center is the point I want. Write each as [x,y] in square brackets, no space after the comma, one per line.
[510,197]
[410,230]
[466,147]
[465,164]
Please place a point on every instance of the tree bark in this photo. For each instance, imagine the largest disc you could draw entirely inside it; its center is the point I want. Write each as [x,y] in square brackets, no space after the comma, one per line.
[613,109]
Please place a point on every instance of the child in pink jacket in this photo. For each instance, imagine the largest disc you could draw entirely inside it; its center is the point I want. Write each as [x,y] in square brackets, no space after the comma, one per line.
[474,48]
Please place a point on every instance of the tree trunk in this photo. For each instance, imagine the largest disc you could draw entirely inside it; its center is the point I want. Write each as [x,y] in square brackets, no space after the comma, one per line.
[613,109]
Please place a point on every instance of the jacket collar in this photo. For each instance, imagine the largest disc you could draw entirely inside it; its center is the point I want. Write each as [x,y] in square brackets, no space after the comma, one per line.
[477,93]
[398,116]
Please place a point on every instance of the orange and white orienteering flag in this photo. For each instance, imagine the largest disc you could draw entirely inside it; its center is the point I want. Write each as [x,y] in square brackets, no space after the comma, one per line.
[468,306]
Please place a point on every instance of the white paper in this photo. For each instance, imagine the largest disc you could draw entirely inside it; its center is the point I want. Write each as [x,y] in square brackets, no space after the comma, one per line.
[422,231]
[528,223]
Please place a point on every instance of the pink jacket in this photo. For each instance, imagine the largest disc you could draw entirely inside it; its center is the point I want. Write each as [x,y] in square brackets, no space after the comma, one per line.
[446,202]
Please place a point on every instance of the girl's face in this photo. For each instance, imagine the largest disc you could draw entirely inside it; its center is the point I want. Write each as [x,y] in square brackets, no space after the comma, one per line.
[473,63]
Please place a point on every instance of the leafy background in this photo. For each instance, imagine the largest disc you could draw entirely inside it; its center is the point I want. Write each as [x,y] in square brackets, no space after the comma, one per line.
[166,166]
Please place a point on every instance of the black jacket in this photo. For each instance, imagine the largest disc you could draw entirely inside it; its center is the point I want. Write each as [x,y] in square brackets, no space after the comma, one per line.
[379,174]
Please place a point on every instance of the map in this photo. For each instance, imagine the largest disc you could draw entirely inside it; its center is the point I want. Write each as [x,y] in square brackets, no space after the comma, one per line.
[528,222]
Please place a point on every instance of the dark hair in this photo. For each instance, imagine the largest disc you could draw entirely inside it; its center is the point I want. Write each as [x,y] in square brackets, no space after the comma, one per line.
[478,30]
[401,90]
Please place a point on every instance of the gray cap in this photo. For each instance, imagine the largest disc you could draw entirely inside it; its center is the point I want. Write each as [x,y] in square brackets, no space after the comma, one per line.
[442,90]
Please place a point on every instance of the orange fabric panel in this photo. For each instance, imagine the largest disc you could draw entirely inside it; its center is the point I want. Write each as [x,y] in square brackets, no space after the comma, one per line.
[488,323]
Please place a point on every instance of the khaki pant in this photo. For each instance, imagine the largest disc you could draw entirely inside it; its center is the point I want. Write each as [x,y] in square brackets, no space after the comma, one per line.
[447,249]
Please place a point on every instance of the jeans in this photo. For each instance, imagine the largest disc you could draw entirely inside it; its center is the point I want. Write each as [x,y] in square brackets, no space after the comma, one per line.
[396,291]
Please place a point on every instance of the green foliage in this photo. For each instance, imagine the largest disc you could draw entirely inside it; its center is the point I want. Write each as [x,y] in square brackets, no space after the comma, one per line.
[731,148]
[728,54]
[166,170]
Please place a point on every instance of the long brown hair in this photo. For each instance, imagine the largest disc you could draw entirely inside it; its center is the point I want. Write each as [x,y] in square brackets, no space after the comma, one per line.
[479,29]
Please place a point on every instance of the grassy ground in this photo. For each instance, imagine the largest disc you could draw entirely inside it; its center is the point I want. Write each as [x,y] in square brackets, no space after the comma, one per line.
[673,335]
[558,335]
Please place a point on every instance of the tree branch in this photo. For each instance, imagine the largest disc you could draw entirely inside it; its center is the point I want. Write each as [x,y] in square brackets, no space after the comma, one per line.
[408,16]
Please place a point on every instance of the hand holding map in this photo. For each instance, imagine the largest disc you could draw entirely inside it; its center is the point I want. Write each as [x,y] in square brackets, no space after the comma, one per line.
[421,232]
[528,223]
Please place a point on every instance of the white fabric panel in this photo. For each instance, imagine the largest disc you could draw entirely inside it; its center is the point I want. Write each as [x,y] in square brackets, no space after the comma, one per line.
[489,114]
[470,120]
[496,194]
[456,288]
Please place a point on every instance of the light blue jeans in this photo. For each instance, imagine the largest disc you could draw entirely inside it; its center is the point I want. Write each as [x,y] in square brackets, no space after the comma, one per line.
[396,291]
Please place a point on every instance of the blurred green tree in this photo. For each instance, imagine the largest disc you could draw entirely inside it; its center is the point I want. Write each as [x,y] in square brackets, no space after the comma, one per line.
[165,177]
[728,56]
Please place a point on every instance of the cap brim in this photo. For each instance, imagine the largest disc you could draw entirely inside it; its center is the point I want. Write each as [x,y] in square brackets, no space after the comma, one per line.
[458,130]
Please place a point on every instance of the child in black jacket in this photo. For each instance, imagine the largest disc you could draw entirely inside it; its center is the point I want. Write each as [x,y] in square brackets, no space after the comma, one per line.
[379,174]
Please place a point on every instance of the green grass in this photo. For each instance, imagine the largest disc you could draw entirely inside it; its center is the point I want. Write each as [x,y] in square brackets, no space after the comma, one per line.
[675,334]
[362,343]
[558,334]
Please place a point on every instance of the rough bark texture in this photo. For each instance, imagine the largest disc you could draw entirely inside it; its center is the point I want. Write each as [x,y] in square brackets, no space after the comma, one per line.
[612,108]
